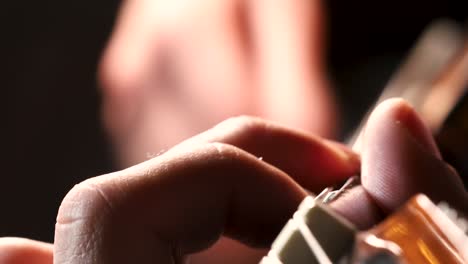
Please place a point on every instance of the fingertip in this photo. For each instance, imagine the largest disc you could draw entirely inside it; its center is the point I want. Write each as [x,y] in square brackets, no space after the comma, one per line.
[400,158]
[406,114]
[350,160]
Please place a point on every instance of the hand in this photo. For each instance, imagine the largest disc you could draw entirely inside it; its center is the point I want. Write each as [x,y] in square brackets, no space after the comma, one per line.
[172,69]
[215,175]
[214,184]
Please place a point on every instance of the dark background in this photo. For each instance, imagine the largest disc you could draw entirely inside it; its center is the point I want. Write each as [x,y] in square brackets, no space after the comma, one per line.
[51,131]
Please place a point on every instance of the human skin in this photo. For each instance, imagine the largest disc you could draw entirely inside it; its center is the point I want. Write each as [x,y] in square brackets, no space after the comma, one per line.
[214,184]
[173,69]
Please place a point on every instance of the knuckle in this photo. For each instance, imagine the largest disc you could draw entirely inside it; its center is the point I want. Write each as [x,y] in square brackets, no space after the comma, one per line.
[85,202]
[228,157]
[243,123]
[80,223]
[114,77]
[224,151]
[241,120]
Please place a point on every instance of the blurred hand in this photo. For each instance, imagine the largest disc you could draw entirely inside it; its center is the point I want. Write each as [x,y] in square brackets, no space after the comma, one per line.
[215,184]
[175,68]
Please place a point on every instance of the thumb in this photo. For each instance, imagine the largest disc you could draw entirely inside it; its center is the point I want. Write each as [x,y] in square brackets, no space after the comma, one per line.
[400,159]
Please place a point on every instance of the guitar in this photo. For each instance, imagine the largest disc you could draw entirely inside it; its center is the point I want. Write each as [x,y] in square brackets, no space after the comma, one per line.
[420,232]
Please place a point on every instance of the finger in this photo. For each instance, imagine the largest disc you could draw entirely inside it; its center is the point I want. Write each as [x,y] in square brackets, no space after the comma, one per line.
[288,39]
[400,159]
[177,203]
[126,64]
[130,50]
[170,59]
[20,250]
[359,207]
[208,76]
[213,62]
[292,151]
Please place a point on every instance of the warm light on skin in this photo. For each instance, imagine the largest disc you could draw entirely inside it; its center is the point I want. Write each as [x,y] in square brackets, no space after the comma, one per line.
[175,68]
